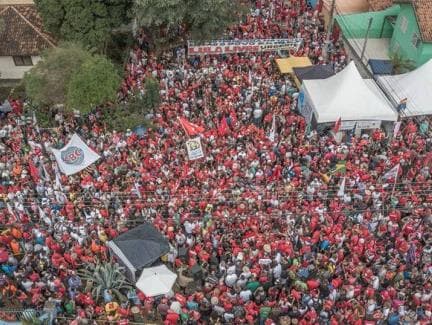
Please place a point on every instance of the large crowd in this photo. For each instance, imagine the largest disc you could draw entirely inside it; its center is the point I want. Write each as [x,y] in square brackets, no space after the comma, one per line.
[276,238]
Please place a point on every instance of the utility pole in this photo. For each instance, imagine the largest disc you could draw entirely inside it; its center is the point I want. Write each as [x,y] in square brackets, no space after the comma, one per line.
[329,30]
[366,39]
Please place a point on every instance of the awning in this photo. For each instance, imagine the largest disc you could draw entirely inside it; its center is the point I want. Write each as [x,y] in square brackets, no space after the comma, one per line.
[286,65]
[313,72]
[381,67]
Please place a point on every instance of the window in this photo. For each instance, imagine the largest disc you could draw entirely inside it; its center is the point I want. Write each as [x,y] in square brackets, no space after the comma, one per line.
[22,60]
[415,40]
[404,24]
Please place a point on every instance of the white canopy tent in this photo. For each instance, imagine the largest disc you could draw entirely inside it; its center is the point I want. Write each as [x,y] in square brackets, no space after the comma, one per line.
[415,86]
[345,95]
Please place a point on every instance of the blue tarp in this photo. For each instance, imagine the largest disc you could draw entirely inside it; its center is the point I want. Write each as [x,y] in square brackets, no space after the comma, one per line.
[381,67]
[140,131]
[313,3]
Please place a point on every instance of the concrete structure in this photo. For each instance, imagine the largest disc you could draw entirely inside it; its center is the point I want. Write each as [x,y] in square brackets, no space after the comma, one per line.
[22,38]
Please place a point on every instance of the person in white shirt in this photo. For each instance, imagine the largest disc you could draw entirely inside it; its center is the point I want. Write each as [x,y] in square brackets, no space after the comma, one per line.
[245,295]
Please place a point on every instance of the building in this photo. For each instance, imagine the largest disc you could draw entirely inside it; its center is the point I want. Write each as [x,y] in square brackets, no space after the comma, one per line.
[396,26]
[22,38]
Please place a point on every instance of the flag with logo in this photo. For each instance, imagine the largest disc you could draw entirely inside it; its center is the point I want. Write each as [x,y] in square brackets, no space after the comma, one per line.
[194,149]
[75,156]
[339,168]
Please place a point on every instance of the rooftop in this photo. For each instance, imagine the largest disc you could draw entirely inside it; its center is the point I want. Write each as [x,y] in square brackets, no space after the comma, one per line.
[22,32]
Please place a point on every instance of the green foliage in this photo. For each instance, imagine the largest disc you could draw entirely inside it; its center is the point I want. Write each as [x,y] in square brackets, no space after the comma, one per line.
[107,276]
[46,83]
[89,22]
[93,84]
[151,93]
[18,92]
[4,93]
[200,19]
[401,64]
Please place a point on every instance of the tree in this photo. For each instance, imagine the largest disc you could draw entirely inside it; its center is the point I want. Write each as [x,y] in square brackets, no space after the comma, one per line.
[94,83]
[107,276]
[89,22]
[46,83]
[198,20]
[134,111]
[400,63]
[151,93]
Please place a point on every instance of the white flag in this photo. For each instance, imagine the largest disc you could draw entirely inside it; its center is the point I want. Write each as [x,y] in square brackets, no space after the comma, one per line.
[44,217]
[392,173]
[272,135]
[396,129]
[75,156]
[194,148]
[341,191]
[138,192]
[57,178]
[47,176]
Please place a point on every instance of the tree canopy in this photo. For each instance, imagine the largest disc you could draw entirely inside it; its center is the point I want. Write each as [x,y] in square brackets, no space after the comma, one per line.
[88,22]
[94,83]
[73,76]
[46,83]
[193,19]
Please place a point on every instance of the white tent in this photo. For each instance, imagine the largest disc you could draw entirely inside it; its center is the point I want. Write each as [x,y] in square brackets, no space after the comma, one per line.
[348,96]
[156,281]
[415,86]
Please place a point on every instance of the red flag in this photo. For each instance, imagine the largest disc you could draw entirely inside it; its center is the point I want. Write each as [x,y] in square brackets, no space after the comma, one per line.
[223,128]
[34,173]
[337,125]
[190,128]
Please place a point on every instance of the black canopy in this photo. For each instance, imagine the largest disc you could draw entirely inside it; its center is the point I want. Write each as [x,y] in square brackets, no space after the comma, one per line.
[313,72]
[139,247]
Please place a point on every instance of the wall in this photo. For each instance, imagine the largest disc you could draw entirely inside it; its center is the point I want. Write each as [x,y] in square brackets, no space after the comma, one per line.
[16,2]
[8,70]
[425,53]
[355,25]
[402,40]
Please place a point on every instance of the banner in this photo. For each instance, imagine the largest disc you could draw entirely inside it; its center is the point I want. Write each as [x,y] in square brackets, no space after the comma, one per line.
[75,156]
[244,46]
[361,125]
[194,149]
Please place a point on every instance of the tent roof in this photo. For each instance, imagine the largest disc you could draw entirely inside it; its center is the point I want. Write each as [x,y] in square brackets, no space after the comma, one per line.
[286,65]
[141,246]
[416,86]
[314,72]
[347,96]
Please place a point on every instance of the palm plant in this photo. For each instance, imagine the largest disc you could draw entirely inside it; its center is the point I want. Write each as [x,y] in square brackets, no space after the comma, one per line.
[400,63]
[106,276]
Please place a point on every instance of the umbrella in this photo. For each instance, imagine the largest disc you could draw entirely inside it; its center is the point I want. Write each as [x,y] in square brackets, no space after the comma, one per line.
[156,281]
